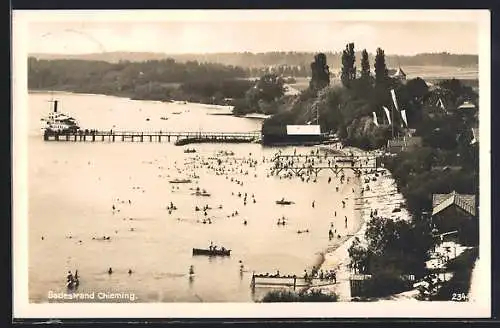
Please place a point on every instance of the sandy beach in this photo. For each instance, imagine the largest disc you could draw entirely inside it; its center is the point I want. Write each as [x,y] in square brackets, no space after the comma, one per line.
[379,194]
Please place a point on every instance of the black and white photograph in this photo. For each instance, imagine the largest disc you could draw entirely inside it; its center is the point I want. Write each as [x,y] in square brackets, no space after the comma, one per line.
[196,163]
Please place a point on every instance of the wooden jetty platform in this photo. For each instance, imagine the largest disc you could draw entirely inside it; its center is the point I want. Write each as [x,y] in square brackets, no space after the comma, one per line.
[181,138]
[291,281]
[313,164]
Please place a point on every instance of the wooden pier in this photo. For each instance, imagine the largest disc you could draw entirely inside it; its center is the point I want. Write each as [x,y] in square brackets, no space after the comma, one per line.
[313,164]
[291,281]
[181,138]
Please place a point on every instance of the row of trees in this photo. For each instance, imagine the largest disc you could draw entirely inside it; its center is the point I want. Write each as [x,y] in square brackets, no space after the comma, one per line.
[349,73]
[278,58]
[346,109]
[265,97]
[153,80]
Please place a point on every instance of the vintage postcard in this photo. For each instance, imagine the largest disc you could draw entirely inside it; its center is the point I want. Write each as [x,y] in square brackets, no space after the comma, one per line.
[251,163]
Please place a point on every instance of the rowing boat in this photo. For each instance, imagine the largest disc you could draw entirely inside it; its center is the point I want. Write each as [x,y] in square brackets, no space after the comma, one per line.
[284,202]
[218,252]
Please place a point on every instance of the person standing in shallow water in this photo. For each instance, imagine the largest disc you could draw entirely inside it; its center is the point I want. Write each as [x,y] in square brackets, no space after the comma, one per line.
[69,277]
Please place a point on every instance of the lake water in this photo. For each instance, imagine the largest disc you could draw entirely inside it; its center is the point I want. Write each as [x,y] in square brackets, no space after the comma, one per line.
[73,186]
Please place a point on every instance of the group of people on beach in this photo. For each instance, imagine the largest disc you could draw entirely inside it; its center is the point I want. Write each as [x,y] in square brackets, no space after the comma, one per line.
[320,274]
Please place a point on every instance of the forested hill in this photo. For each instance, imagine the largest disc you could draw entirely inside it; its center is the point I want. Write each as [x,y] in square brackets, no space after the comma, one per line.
[248,59]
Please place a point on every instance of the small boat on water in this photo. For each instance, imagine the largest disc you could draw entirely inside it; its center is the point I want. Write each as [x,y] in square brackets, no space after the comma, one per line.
[201,193]
[208,252]
[176,113]
[164,118]
[189,150]
[284,202]
[180,181]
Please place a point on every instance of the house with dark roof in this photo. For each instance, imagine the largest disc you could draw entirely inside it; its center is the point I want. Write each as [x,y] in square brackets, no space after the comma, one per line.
[458,212]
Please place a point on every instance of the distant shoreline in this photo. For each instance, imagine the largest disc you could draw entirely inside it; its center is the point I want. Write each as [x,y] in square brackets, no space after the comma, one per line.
[62,92]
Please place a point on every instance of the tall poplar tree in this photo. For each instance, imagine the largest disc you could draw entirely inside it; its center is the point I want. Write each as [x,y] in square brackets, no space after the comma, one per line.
[365,65]
[320,73]
[381,73]
[348,73]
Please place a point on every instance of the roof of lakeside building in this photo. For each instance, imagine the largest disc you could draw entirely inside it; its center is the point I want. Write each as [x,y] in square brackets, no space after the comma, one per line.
[303,130]
[463,201]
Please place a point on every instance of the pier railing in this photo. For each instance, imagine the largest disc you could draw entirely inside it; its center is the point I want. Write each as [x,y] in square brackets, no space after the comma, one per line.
[141,136]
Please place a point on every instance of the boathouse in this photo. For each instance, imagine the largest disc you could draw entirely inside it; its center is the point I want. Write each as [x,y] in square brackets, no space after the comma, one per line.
[293,135]
[458,212]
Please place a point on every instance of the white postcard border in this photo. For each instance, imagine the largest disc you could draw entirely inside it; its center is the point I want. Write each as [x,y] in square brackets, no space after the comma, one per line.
[23,309]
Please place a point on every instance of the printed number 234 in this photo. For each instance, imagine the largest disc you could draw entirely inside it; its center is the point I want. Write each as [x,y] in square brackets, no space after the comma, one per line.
[459,297]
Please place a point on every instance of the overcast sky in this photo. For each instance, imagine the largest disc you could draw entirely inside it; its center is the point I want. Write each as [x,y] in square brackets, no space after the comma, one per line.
[226,34]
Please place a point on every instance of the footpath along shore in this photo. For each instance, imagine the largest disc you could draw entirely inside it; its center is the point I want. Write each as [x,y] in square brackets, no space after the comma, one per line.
[379,194]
